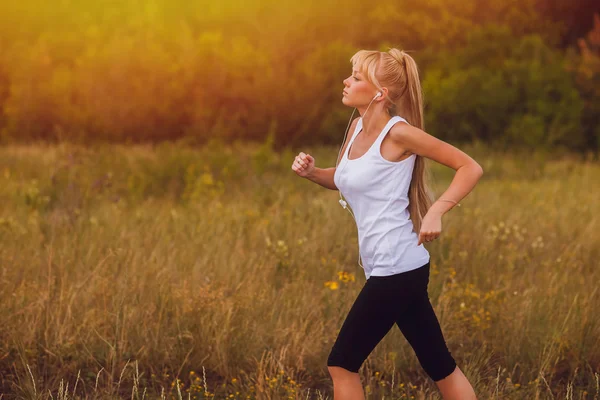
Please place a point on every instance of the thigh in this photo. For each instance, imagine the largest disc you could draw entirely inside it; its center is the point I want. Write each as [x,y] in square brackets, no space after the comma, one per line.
[422,330]
[370,318]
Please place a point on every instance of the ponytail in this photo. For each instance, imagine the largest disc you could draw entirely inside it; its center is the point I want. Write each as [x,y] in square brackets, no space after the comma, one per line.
[410,105]
[414,92]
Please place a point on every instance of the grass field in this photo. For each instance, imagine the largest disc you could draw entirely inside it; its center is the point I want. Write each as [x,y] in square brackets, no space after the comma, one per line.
[217,272]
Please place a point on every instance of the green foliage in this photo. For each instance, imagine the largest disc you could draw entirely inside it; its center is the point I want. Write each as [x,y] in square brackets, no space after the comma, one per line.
[504,89]
[585,66]
[87,73]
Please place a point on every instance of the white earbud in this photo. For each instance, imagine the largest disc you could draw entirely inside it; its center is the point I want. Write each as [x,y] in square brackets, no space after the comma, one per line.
[377,95]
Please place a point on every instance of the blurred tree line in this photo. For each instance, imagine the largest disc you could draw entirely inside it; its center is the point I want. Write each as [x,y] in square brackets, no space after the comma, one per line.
[505,72]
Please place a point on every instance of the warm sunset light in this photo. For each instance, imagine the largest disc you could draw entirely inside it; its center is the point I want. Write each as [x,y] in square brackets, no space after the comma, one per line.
[308,200]
[155,70]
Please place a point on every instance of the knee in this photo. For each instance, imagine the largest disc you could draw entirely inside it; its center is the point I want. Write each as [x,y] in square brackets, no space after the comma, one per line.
[341,373]
[342,366]
[440,368]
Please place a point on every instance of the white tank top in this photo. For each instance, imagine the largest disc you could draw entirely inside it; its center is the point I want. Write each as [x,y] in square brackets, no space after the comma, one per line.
[377,192]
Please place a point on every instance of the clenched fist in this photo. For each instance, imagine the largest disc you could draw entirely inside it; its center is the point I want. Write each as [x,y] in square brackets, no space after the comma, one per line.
[304,164]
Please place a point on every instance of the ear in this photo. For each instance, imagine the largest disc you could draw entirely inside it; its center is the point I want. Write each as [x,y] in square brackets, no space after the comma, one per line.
[384,92]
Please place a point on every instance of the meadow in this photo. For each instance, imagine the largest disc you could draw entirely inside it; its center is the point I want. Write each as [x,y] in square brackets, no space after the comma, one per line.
[175,271]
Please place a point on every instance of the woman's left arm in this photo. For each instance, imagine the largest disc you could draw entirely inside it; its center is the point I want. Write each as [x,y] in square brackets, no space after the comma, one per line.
[468,172]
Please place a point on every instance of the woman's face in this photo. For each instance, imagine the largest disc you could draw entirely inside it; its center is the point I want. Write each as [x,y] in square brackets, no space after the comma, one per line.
[357,91]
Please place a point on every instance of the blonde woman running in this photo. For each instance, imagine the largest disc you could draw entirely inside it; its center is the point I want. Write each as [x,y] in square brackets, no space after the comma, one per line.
[381,176]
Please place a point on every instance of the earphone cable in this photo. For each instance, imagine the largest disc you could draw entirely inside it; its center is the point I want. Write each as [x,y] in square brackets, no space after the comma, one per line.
[343,202]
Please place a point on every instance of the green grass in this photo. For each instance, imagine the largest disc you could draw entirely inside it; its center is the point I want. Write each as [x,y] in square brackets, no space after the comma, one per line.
[124,269]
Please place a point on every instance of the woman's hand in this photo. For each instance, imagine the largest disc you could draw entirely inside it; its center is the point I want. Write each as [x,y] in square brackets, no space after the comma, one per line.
[303,165]
[431,227]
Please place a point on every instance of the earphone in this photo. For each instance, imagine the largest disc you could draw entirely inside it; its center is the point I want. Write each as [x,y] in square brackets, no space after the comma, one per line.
[343,202]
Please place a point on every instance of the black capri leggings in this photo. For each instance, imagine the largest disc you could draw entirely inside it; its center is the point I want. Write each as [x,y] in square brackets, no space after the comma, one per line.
[384,300]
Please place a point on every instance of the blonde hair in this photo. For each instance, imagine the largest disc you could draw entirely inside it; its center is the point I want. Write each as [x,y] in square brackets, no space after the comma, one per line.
[398,72]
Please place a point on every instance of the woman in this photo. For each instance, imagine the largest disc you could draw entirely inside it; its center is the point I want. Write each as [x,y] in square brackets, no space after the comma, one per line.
[382,176]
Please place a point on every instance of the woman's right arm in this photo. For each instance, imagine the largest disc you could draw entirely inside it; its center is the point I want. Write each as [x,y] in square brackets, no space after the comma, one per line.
[324,176]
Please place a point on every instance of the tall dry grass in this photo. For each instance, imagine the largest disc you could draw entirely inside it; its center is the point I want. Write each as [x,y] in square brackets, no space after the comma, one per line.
[171,272]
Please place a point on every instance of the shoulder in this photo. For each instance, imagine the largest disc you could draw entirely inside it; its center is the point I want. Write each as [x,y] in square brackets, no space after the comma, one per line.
[423,144]
[351,129]
[403,133]
[411,138]
[349,135]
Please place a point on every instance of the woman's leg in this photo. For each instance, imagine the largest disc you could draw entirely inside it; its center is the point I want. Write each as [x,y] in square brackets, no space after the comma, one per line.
[346,384]
[421,328]
[456,386]
[371,316]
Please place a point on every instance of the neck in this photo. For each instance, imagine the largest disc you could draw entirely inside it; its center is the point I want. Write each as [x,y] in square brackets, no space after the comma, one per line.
[374,120]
